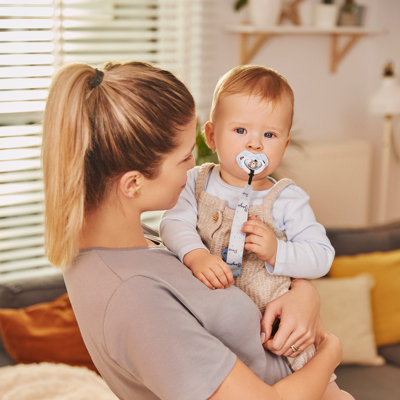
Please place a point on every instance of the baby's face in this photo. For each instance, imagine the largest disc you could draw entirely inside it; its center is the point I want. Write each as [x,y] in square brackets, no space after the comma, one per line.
[246,122]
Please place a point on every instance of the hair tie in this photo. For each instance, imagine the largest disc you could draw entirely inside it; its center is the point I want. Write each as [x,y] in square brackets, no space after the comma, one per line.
[97,79]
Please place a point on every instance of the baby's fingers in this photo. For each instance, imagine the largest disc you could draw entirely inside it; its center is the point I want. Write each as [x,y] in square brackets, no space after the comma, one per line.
[204,280]
[228,273]
[214,279]
[254,227]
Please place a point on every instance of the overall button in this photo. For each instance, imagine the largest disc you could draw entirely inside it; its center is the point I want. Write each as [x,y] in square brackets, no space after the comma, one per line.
[215,217]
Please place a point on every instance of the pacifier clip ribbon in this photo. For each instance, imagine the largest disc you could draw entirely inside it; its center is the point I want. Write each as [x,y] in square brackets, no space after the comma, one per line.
[252,164]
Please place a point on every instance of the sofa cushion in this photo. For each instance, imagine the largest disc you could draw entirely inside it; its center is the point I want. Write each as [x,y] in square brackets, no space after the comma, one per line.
[391,354]
[24,292]
[385,269]
[370,383]
[45,332]
[346,312]
[350,241]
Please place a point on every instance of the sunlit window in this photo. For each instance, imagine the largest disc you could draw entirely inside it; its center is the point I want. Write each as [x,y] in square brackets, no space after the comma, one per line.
[38,36]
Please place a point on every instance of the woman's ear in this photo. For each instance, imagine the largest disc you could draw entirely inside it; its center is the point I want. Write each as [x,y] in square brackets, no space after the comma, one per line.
[209,135]
[130,183]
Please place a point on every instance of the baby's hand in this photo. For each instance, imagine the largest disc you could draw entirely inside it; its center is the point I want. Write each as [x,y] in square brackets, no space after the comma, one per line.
[209,269]
[260,240]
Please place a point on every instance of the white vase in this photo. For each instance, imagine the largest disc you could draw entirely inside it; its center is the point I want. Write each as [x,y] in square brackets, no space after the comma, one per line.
[326,15]
[265,13]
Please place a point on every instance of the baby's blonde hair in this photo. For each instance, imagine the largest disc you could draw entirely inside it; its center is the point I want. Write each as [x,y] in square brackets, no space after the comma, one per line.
[257,80]
[92,135]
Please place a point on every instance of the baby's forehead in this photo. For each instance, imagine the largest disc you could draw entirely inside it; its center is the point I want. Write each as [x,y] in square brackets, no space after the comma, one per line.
[253,97]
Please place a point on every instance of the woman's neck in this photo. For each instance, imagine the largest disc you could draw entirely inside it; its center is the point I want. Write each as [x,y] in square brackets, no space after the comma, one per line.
[109,227]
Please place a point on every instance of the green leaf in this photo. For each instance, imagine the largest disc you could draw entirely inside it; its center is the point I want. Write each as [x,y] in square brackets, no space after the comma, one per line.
[239,4]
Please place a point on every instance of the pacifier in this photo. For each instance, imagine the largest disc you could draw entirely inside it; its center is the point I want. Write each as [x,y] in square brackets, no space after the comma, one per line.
[252,162]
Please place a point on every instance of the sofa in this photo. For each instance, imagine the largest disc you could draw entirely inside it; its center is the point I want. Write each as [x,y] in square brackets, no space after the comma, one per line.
[364,382]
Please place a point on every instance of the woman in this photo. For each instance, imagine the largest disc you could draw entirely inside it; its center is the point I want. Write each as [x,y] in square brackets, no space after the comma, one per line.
[118,143]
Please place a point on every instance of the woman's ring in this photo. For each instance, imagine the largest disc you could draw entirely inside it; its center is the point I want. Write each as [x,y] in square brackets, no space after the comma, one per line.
[294,348]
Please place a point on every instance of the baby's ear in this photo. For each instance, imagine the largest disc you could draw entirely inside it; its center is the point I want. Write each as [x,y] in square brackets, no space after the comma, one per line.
[209,135]
[287,142]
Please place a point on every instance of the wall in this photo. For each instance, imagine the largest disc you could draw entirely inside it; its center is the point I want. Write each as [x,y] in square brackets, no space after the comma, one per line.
[329,106]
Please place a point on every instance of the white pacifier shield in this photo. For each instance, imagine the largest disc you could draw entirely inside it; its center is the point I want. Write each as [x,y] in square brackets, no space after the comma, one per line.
[252,162]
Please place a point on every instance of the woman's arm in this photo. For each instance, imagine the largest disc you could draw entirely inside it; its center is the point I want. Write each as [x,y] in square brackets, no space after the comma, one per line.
[309,383]
[298,311]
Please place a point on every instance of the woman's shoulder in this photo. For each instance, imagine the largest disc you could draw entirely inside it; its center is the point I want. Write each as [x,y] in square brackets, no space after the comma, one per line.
[125,262]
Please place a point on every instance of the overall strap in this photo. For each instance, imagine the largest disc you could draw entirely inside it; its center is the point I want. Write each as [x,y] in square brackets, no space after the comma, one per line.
[202,179]
[275,191]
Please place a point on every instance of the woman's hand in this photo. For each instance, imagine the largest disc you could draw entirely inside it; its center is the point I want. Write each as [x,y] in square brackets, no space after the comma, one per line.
[298,311]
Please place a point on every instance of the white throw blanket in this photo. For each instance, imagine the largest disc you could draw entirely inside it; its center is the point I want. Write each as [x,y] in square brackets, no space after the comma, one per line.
[47,381]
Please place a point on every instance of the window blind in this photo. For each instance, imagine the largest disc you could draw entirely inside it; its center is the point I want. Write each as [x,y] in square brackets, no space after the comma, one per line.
[37,36]
[26,65]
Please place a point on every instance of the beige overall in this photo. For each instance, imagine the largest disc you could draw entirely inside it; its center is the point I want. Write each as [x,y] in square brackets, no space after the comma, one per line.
[214,222]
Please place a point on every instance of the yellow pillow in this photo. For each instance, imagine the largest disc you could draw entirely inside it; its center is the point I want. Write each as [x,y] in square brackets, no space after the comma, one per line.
[346,312]
[385,269]
[45,332]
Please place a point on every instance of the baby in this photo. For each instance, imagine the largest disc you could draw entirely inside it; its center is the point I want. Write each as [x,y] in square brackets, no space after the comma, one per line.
[252,113]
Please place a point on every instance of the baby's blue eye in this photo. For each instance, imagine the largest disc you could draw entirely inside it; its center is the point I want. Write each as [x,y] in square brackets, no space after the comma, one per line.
[240,130]
[268,135]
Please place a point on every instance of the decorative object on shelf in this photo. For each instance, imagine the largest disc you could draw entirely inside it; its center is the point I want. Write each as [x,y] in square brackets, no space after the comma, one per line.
[351,14]
[291,12]
[326,14]
[386,103]
[262,13]
[265,12]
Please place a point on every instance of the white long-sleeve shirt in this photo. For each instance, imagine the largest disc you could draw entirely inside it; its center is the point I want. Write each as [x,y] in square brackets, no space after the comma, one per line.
[306,254]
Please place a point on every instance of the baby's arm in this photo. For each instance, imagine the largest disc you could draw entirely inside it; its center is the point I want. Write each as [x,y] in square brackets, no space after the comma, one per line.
[209,269]
[307,253]
[179,234]
[178,225]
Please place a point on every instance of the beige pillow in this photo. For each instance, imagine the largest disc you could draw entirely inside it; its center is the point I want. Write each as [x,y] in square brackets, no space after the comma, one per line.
[346,312]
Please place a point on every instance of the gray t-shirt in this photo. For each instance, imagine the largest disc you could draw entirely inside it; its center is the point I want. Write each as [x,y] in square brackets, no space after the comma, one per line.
[156,332]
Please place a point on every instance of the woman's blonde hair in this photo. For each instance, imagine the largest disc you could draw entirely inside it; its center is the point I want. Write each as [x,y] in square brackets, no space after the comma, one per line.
[94,131]
[252,80]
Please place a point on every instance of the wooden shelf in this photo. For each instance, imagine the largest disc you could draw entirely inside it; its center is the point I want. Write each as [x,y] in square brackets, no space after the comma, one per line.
[351,34]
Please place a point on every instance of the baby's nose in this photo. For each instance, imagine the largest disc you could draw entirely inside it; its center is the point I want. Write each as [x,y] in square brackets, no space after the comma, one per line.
[254,144]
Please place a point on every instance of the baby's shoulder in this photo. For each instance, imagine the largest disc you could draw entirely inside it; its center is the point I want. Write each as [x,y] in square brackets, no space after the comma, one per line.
[291,194]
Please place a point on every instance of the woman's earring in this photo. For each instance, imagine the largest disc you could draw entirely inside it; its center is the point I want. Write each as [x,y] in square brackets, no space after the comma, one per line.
[136,194]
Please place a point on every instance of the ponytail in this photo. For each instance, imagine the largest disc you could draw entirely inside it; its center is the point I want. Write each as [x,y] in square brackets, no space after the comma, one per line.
[66,138]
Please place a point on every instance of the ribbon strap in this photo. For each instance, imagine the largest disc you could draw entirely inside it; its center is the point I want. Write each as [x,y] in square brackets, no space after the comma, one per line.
[237,238]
